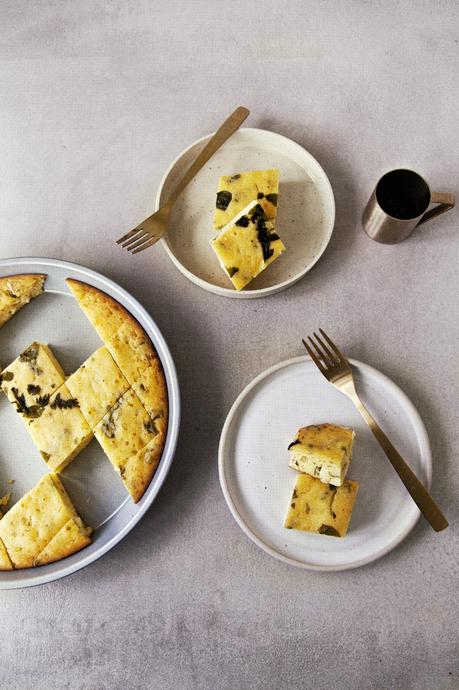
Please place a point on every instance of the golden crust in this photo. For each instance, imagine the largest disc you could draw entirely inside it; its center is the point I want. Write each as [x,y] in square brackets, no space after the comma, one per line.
[16,291]
[151,390]
[104,312]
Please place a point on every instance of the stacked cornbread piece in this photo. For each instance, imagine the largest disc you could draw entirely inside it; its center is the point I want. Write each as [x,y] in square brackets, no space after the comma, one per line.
[118,396]
[245,217]
[322,499]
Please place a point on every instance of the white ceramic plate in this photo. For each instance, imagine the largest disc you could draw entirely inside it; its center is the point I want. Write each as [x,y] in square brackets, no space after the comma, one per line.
[306,212]
[95,488]
[257,482]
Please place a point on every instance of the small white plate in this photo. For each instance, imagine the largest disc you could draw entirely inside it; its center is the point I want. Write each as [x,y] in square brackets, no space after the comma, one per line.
[94,487]
[257,482]
[306,212]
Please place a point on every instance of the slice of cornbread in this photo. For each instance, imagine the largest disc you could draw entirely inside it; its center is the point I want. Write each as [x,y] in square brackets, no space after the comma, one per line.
[70,539]
[132,349]
[235,192]
[125,431]
[35,520]
[322,508]
[16,291]
[104,312]
[247,245]
[61,431]
[97,385]
[324,451]
[31,379]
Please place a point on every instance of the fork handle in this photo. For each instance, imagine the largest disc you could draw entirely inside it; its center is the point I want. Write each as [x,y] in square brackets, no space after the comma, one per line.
[417,491]
[231,124]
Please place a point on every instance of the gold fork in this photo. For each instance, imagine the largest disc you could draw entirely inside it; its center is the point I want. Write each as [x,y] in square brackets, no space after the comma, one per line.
[154,227]
[337,370]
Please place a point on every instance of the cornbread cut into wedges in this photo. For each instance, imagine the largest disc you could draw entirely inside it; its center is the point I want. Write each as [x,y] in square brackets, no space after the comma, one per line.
[31,379]
[126,434]
[5,560]
[235,192]
[133,431]
[104,312]
[16,291]
[61,431]
[97,385]
[32,524]
[70,539]
[322,508]
[323,451]
[247,245]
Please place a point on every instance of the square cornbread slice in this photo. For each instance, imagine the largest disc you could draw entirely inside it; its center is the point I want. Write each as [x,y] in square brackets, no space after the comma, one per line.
[35,520]
[61,431]
[18,290]
[324,451]
[235,192]
[151,390]
[97,385]
[104,312]
[125,430]
[31,379]
[247,245]
[322,508]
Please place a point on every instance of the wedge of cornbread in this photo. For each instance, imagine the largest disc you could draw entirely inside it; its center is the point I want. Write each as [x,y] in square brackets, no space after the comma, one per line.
[247,245]
[323,451]
[126,434]
[97,385]
[235,192]
[322,508]
[30,526]
[133,431]
[18,290]
[31,379]
[5,560]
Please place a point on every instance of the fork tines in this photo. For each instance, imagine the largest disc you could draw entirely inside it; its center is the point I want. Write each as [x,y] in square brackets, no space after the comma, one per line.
[323,357]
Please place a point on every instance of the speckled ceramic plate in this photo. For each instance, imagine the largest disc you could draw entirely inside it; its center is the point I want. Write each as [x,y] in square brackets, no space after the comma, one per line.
[94,487]
[306,212]
[257,482]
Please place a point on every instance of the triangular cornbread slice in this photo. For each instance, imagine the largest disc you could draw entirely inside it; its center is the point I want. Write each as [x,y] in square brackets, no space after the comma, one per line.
[324,451]
[5,560]
[138,471]
[322,508]
[132,349]
[33,522]
[70,539]
[104,312]
[16,291]
[97,385]
[235,192]
[31,379]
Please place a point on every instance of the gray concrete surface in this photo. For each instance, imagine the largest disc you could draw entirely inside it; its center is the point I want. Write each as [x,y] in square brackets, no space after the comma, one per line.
[96,98]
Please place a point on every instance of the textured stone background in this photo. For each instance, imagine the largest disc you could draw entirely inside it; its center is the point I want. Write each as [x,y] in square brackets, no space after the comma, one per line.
[96,98]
